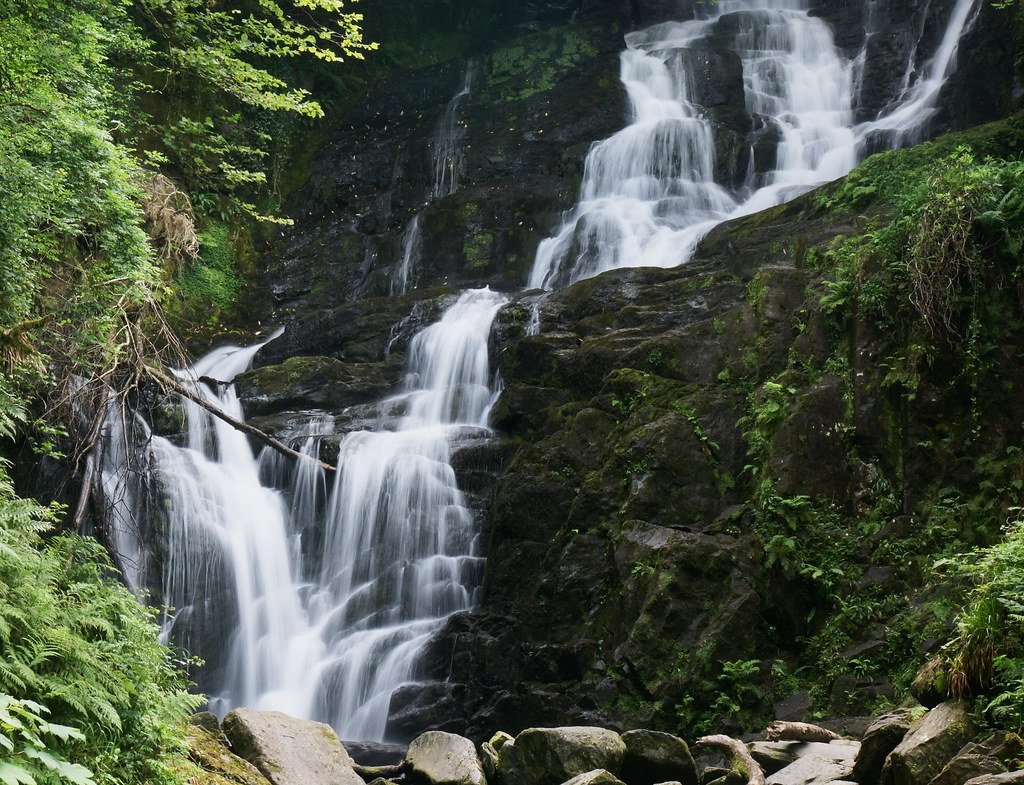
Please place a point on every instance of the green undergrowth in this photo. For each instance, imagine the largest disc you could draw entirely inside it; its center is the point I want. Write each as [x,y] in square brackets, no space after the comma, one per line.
[87,693]
[931,290]
[132,136]
[207,289]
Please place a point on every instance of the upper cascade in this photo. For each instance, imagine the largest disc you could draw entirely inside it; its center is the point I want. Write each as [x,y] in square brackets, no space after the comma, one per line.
[651,191]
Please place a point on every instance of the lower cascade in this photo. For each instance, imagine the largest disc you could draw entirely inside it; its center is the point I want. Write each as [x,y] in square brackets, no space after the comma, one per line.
[330,632]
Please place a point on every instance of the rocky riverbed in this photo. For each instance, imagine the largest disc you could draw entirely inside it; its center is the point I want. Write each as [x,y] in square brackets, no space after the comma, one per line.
[912,746]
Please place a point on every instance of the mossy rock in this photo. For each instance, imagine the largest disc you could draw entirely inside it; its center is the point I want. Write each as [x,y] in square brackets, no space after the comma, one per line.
[208,749]
[314,383]
[550,756]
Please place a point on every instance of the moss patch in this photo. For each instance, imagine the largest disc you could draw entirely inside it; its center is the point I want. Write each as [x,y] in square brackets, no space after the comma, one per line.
[208,289]
[535,63]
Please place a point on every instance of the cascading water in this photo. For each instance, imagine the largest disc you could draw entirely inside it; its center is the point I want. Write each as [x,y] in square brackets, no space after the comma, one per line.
[317,602]
[333,635]
[649,192]
[227,572]
[400,551]
[403,276]
[918,100]
[446,146]
[445,162]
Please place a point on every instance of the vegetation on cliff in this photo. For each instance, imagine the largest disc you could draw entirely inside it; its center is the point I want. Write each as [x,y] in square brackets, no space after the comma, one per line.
[928,292]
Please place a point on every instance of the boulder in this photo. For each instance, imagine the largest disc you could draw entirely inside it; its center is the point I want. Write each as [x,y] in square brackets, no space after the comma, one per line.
[207,748]
[774,756]
[1008,778]
[795,707]
[550,756]
[489,751]
[439,758]
[928,686]
[931,742]
[596,777]
[289,751]
[653,757]
[995,755]
[879,740]
[811,770]
[969,763]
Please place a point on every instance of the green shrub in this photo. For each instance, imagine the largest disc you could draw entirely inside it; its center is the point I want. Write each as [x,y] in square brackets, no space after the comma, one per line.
[986,657]
[80,644]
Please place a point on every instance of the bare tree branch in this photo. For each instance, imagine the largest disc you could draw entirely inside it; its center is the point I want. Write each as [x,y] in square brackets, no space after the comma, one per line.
[175,386]
[799,731]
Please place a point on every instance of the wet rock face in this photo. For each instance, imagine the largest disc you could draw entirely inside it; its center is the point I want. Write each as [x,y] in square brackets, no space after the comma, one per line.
[618,542]
[895,33]
[536,100]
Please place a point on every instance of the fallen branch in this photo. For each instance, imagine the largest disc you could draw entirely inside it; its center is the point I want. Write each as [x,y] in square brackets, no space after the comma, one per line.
[84,493]
[799,731]
[742,761]
[89,470]
[177,387]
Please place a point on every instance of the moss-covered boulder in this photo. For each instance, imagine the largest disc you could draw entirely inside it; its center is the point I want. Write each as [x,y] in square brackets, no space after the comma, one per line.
[931,743]
[550,756]
[881,738]
[208,749]
[596,777]
[324,383]
[653,757]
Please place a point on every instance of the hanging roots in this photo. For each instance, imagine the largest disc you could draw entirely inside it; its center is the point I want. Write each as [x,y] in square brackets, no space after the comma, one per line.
[171,220]
[944,262]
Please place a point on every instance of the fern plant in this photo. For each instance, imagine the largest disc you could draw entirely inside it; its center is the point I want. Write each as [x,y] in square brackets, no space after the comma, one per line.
[25,757]
[75,641]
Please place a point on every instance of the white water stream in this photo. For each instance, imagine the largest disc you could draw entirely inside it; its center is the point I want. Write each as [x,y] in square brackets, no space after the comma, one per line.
[318,601]
[649,195]
[333,636]
[446,156]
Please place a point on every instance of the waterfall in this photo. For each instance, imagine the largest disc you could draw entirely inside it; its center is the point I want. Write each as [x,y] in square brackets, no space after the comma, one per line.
[228,575]
[649,192]
[445,164]
[446,145]
[120,471]
[326,632]
[403,276]
[918,100]
[317,599]
[400,550]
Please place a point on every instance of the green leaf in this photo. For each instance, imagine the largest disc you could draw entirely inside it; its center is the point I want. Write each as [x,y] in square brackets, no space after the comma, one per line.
[15,775]
[72,772]
[62,732]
